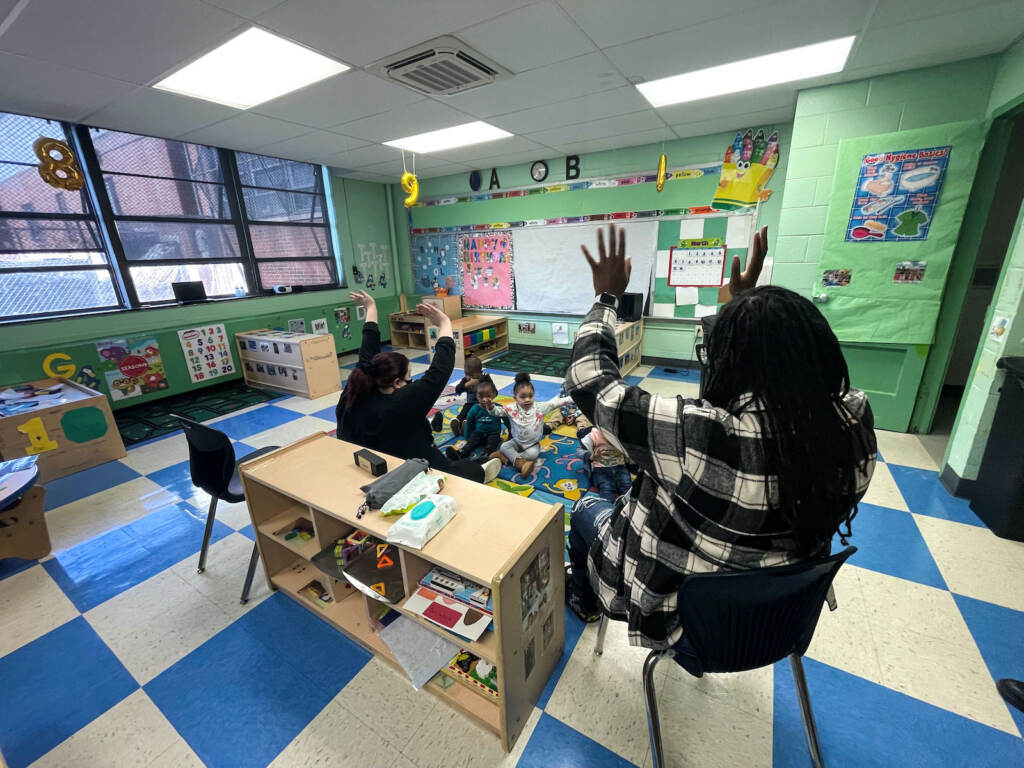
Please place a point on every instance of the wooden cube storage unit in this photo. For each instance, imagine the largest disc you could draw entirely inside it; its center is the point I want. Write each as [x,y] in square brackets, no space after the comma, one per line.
[305,364]
[629,341]
[501,540]
[482,335]
[73,434]
[409,329]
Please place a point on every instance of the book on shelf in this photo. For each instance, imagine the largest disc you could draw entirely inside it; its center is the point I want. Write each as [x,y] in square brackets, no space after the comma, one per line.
[377,573]
[459,587]
[444,611]
[475,673]
[317,594]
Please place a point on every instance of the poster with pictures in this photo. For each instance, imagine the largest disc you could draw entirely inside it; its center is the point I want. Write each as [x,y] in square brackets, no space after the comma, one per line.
[297,326]
[435,264]
[897,193]
[535,589]
[371,267]
[343,315]
[131,367]
[487,275]
[320,326]
[207,354]
[697,263]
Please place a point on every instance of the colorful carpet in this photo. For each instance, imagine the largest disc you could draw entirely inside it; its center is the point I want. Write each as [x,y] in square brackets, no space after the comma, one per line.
[542,363]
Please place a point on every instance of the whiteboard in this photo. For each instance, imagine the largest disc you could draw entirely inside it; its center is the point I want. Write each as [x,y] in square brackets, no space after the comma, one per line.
[552,275]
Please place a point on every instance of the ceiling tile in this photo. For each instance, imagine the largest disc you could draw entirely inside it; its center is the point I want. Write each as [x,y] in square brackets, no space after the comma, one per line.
[374,177]
[158,113]
[248,9]
[765,118]
[394,167]
[360,157]
[516,158]
[137,40]
[40,88]
[421,117]
[610,24]
[594,106]
[313,147]
[731,104]
[246,131]
[767,29]
[599,129]
[361,31]
[445,170]
[614,142]
[340,99]
[888,14]
[529,37]
[554,83]
[474,152]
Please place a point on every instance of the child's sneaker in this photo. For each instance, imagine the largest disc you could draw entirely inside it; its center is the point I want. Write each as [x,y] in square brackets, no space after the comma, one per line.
[491,468]
[437,421]
[456,426]
[522,466]
[452,453]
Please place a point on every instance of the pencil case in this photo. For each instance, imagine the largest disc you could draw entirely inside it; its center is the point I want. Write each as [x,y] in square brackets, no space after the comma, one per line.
[383,488]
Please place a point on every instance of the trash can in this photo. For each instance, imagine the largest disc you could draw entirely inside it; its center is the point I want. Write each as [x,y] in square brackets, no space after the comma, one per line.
[998,497]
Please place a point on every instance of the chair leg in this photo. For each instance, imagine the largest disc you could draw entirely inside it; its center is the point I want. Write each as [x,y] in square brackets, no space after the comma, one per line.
[651,700]
[806,713]
[602,627]
[210,516]
[249,574]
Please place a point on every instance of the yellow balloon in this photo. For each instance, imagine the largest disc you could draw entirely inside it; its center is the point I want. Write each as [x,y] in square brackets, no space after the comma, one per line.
[411,185]
[60,172]
[662,163]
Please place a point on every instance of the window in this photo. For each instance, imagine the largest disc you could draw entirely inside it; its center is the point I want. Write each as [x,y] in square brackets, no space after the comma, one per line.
[52,260]
[170,207]
[283,204]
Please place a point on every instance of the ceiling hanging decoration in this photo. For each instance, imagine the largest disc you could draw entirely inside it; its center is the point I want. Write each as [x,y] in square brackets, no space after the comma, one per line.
[61,172]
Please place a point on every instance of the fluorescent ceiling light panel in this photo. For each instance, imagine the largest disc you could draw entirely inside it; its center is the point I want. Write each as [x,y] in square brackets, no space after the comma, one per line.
[447,138]
[250,69]
[783,67]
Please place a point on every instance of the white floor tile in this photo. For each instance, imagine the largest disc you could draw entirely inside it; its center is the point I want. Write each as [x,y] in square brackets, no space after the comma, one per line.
[975,562]
[641,370]
[549,379]
[80,520]
[379,688]
[883,491]
[305,405]
[415,369]
[843,637]
[331,740]
[154,624]
[157,455]
[669,388]
[131,734]
[221,582]
[288,433]
[448,738]
[233,515]
[903,448]
[178,755]
[31,604]
[501,380]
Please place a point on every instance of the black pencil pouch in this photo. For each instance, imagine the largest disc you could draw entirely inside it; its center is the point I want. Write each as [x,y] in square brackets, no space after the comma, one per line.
[386,486]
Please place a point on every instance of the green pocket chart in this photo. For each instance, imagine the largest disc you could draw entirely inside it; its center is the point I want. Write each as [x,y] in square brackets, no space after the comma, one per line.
[889,296]
[735,231]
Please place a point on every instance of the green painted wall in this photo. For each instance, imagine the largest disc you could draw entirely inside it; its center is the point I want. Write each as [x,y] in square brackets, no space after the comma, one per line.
[662,338]
[361,215]
[1008,86]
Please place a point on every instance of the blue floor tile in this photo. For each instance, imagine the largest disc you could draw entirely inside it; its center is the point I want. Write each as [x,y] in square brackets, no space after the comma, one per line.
[12,565]
[70,488]
[675,374]
[889,541]
[176,478]
[999,633]
[554,744]
[97,570]
[861,724]
[260,420]
[634,380]
[425,359]
[328,414]
[248,532]
[542,390]
[573,630]
[54,686]
[925,495]
[215,695]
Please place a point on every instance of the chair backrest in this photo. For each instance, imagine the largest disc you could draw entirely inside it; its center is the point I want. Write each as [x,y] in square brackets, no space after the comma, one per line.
[740,620]
[211,457]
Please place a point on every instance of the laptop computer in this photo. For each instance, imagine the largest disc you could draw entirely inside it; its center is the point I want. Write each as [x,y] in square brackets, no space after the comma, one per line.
[189,292]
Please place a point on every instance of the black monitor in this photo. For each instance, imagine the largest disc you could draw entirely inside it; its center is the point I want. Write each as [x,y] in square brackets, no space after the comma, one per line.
[189,292]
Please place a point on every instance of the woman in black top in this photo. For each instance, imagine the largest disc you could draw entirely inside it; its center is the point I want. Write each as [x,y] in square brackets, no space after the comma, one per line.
[383,409]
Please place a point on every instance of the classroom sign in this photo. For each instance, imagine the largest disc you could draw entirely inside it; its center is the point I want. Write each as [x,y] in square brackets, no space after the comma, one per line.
[487,280]
[207,355]
[131,367]
[896,195]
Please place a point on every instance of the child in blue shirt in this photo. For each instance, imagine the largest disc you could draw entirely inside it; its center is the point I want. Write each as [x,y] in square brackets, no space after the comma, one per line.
[483,427]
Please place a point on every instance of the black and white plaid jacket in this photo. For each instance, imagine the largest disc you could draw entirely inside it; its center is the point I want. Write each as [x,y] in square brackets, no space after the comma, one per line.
[699,503]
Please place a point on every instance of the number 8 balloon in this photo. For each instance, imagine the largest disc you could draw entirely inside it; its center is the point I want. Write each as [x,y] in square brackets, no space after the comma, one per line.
[62,172]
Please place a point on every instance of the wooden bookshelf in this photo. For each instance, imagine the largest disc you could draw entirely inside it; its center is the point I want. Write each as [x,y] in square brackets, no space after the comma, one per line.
[305,364]
[408,330]
[629,341]
[464,329]
[510,543]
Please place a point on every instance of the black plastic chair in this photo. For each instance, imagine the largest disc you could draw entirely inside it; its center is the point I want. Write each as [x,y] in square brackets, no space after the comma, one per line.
[214,469]
[734,621]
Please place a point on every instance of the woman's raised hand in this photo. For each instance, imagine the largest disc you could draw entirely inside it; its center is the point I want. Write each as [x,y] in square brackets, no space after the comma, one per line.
[362,298]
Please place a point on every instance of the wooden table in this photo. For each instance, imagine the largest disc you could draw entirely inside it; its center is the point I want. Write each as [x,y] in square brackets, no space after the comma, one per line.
[498,539]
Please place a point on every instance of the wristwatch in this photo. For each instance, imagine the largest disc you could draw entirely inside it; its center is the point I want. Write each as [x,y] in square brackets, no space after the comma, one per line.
[608,299]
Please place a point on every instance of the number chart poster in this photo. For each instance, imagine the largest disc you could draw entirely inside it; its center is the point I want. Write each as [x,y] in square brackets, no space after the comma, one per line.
[207,354]
[487,277]
[897,193]
[131,367]
[435,263]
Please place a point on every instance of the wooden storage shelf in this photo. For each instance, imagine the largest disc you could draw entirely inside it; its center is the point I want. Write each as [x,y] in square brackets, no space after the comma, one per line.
[303,363]
[467,325]
[509,543]
[306,549]
[629,340]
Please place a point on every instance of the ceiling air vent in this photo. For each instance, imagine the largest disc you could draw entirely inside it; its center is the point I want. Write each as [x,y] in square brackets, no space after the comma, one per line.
[442,66]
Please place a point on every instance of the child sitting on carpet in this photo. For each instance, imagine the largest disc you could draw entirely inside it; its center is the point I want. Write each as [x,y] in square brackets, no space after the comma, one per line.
[526,427]
[483,425]
[609,472]
[568,414]
[474,370]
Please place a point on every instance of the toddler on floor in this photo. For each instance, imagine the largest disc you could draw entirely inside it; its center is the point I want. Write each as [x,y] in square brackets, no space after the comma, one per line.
[474,370]
[526,425]
[483,425]
[609,472]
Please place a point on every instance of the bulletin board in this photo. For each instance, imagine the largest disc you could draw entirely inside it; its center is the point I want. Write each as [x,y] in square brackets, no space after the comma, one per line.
[884,275]
[436,263]
[488,278]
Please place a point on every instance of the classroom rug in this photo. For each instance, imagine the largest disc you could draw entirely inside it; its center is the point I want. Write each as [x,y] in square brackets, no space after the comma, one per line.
[542,363]
[149,420]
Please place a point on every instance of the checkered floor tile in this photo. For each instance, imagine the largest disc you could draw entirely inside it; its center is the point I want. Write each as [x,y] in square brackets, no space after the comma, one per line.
[115,652]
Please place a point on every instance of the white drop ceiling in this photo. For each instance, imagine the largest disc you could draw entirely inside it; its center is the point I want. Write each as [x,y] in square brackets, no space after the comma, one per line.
[574,64]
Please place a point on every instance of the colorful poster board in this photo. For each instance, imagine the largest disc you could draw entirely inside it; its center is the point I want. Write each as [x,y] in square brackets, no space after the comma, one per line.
[131,367]
[697,263]
[207,353]
[896,195]
[487,275]
[749,163]
[436,264]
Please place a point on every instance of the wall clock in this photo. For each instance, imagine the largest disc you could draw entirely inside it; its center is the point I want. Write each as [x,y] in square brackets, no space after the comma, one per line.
[539,171]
